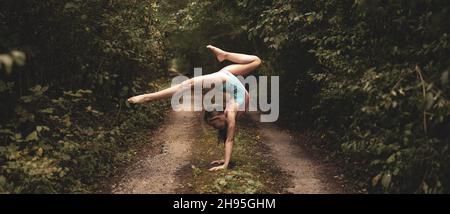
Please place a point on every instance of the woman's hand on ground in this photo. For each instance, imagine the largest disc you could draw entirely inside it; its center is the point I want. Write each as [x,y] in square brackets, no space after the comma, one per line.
[217,168]
[218,162]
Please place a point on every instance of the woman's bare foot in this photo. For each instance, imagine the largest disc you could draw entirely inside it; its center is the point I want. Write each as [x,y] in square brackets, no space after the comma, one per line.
[139,99]
[218,162]
[220,54]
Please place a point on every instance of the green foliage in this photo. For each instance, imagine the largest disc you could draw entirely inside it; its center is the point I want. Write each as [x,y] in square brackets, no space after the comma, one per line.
[236,182]
[382,70]
[191,25]
[370,77]
[64,124]
[8,60]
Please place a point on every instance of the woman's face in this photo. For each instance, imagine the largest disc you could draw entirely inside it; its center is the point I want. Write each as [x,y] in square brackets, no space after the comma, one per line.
[217,121]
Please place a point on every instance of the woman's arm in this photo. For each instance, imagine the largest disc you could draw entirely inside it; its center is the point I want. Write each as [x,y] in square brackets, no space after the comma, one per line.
[231,125]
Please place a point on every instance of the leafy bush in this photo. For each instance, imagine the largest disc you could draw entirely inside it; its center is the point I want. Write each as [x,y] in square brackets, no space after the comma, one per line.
[65,126]
[383,76]
[369,77]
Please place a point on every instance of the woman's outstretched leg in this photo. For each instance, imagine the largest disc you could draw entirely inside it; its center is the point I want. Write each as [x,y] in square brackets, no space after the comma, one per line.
[166,93]
[245,63]
[179,88]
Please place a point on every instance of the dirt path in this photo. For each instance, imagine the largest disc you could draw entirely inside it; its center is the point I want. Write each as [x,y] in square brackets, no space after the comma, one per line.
[308,176]
[282,166]
[156,173]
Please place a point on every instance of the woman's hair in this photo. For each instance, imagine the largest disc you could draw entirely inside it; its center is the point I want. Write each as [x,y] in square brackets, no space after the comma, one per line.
[208,115]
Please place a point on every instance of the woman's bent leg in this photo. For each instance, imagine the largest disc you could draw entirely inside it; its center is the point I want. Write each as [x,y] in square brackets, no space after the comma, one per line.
[245,63]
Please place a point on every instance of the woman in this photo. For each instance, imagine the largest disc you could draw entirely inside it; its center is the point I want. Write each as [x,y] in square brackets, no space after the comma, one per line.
[224,120]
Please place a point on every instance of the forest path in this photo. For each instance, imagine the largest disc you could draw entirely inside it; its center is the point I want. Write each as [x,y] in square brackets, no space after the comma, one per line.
[307,175]
[170,149]
[275,161]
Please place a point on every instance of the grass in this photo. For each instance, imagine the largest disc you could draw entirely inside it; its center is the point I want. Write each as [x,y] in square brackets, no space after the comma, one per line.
[252,170]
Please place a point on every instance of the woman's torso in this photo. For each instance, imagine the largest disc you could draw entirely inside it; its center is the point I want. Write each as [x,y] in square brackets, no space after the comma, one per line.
[236,91]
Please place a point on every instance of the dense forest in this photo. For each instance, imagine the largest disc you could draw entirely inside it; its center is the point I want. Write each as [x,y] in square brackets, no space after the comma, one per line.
[67,67]
[368,79]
